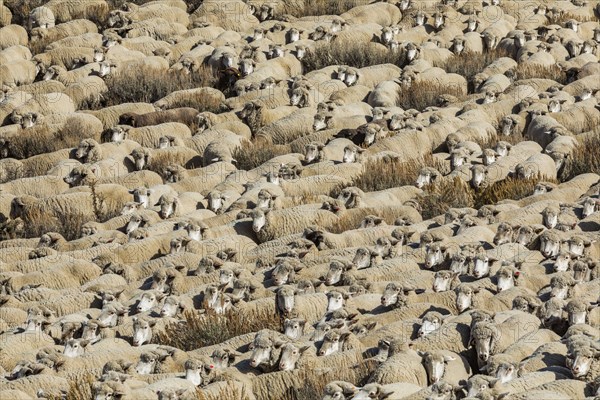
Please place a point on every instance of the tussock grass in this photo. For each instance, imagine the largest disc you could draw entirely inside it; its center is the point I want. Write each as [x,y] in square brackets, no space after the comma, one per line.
[149,86]
[39,223]
[444,194]
[509,188]
[80,390]
[25,146]
[428,93]
[328,7]
[470,64]
[210,328]
[384,173]
[531,71]
[584,159]
[359,56]
[252,155]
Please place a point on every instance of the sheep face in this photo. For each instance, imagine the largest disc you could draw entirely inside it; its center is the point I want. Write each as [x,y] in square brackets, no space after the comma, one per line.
[320,122]
[335,301]
[577,312]
[196,370]
[334,274]
[294,328]
[581,271]
[590,206]
[434,255]
[478,175]
[435,365]
[362,258]
[505,278]
[108,317]
[332,343]
[147,364]
[91,332]
[426,176]
[75,348]
[506,372]
[246,66]
[312,152]
[142,331]
[285,299]
[35,324]
[261,352]
[148,301]
[559,288]
[488,157]
[581,361]
[549,244]
[290,354]
[577,245]
[464,298]
[459,264]
[220,303]
[167,207]
[481,266]
[442,281]
[504,234]
[392,295]
[372,391]
[562,262]
[429,325]
[259,220]
[131,207]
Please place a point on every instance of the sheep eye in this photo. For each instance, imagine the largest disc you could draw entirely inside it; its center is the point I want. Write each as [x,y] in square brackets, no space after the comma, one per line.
[483,386]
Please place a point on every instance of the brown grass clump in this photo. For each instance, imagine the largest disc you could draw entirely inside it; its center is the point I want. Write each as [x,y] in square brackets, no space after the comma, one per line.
[252,155]
[509,188]
[38,223]
[531,71]
[359,56]
[79,390]
[428,93]
[470,64]
[205,330]
[25,145]
[440,196]
[584,159]
[150,86]
[383,173]
[328,7]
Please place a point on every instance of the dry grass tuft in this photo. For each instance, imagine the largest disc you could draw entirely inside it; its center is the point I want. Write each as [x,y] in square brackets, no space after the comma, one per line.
[25,145]
[428,91]
[327,7]
[383,173]
[531,71]
[150,86]
[509,188]
[201,330]
[252,155]
[80,390]
[584,159]
[440,196]
[470,64]
[359,56]
[38,223]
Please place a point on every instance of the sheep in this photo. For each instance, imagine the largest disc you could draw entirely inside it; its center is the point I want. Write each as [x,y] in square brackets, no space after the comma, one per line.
[185,115]
[492,338]
[44,104]
[269,224]
[109,116]
[42,17]
[18,72]
[449,366]
[63,30]
[13,35]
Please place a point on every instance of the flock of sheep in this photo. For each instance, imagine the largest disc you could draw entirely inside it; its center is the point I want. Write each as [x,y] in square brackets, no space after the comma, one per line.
[372,300]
